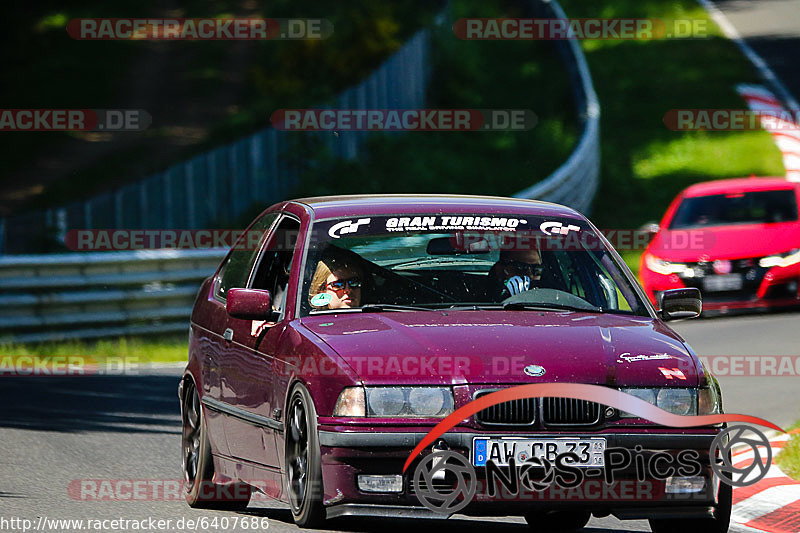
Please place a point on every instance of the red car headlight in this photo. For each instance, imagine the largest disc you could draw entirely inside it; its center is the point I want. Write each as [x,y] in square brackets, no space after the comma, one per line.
[792,257]
[659,266]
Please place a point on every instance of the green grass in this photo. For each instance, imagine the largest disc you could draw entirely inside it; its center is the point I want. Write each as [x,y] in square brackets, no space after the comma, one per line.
[789,458]
[151,349]
[631,258]
[645,164]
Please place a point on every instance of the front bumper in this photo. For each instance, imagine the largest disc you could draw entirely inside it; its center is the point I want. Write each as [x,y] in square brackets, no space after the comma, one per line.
[403,439]
[770,289]
[346,453]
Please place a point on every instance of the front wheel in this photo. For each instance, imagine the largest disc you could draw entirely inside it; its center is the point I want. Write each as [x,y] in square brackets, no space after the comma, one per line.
[198,465]
[718,524]
[303,461]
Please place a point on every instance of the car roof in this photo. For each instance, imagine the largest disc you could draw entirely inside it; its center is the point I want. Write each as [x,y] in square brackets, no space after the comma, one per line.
[738,185]
[385,204]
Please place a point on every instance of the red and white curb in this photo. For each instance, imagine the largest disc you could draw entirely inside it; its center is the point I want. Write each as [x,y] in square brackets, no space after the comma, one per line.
[785,133]
[772,504]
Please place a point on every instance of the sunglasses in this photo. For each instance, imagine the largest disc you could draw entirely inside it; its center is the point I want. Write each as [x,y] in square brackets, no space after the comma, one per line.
[339,284]
[521,266]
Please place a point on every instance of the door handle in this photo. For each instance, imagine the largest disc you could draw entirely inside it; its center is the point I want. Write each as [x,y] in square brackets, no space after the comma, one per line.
[228,335]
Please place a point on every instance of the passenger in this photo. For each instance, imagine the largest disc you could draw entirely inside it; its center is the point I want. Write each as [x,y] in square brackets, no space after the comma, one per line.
[516,271]
[336,284]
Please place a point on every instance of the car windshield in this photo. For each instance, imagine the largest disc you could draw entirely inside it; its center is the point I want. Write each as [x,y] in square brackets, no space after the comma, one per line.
[756,207]
[463,262]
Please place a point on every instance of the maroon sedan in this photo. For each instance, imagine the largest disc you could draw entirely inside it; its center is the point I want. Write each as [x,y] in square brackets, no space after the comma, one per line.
[321,356]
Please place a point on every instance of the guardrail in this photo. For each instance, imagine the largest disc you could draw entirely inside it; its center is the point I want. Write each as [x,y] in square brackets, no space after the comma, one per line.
[90,295]
[575,182]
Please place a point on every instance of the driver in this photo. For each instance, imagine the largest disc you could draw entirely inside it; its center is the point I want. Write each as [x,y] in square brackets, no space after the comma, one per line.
[516,271]
[336,284]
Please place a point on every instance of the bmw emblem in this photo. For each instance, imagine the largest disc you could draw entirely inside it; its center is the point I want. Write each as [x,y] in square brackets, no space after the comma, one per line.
[534,370]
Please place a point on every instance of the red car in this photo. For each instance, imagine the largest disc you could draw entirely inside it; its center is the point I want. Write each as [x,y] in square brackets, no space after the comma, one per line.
[321,356]
[736,240]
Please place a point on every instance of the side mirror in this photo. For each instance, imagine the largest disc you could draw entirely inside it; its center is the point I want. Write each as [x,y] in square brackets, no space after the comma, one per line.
[678,304]
[249,304]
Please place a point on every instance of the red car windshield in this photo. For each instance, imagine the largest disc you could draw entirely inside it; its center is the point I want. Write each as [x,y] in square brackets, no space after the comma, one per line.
[456,261]
[754,207]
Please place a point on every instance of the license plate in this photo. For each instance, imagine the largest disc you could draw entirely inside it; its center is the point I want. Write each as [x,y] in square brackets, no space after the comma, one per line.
[728,282]
[590,451]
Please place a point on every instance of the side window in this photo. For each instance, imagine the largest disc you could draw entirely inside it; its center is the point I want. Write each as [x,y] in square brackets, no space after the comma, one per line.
[240,261]
[570,274]
[275,264]
[626,299]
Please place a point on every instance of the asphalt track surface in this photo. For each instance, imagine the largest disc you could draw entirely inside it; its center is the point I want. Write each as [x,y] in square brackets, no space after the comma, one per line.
[772,29]
[55,430]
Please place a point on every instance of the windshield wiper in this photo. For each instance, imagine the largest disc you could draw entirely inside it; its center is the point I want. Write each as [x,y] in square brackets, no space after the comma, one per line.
[377,308]
[524,306]
[472,307]
[421,261]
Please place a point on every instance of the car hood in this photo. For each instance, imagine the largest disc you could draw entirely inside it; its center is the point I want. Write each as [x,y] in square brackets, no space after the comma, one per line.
[456,347]
[726,242]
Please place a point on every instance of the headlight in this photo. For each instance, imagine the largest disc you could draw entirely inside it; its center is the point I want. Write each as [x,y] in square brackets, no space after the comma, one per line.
[673,400]
[409,401]
[678,401]
[385,401]
[786,259]
[708,401]
[648,395]
[430,402]
[659,266]
[351,402]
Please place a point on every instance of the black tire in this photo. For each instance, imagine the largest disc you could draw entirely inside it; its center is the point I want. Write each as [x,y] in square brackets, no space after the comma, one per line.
[303,461]
[198,465]
[557,520]
[719,524]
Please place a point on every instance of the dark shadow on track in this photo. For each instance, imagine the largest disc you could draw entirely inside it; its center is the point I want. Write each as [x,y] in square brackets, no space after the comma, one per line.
[127,404]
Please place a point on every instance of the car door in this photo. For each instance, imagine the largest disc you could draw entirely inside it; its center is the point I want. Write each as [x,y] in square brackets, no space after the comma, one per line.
[248,371]
[216,346]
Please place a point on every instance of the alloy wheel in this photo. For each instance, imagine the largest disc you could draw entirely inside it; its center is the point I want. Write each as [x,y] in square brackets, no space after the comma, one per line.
[297,458]
[191,433]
